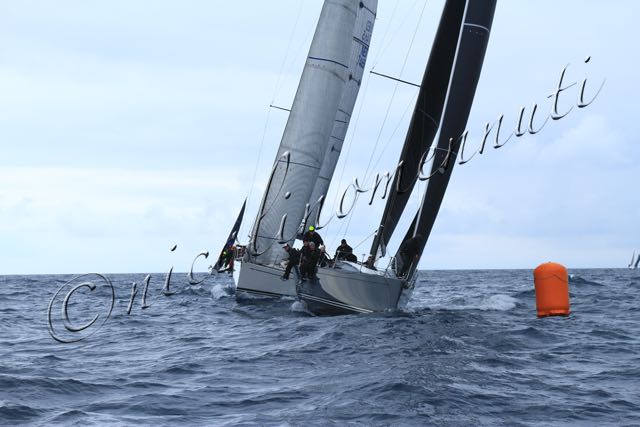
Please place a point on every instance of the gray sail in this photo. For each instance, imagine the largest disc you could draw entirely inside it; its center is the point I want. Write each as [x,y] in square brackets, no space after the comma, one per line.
[307,133]
[469,58]
[633,257]
[635,265]
[424,122]
[363,29]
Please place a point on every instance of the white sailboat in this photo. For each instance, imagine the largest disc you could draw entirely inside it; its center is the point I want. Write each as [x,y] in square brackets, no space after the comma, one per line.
[444,101]
[311,142]
[635,261]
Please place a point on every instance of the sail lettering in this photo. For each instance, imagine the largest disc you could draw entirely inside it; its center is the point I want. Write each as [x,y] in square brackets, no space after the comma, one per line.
[520,129]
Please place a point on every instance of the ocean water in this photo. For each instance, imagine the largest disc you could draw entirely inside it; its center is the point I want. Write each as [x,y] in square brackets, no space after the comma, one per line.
[468,351]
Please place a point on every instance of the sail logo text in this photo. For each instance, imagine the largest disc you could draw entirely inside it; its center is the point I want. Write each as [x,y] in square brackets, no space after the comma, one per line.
[349,196]
[102,296]
[458,145]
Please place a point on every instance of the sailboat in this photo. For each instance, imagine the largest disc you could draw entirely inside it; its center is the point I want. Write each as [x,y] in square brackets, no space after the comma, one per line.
[443,103]
[635,262]
[311,143]
[227,255]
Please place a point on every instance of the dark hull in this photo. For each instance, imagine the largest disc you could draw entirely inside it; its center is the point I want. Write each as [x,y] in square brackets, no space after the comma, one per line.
[352,290]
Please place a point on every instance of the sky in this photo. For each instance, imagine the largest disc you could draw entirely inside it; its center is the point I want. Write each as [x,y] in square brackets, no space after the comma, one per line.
[129,127]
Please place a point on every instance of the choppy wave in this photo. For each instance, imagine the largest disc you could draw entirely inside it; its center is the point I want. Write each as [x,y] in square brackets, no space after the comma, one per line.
[469,350]
[574,279]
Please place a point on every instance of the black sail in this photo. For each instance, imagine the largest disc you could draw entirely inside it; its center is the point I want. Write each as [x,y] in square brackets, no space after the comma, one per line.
[425,120]
[469,59]
[232,237]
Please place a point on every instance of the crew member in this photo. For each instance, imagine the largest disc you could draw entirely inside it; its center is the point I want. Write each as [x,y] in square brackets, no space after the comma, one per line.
[294,260]
[313,236]
[343,251]
[308,264]
[231,256]
[304,254]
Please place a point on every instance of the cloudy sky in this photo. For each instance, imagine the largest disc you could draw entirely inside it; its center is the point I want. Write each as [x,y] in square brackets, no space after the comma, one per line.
[128,127]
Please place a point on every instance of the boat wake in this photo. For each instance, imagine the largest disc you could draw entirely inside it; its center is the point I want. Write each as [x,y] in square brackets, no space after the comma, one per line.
[574,279]
[222,290]
[498,302]
[300,307]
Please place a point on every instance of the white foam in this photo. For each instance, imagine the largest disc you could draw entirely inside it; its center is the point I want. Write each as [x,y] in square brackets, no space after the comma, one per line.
[299,307]
[220,290]
[498,302]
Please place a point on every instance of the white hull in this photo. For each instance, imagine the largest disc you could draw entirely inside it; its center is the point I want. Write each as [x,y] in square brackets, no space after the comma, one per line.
[349,288]
[263,280]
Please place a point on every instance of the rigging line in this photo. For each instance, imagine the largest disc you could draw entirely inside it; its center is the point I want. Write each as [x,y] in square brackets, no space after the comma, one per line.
[404,63]
[357,119]
[395,33]
[255,169]
[393,78]
[409,105]
[348,146]
[366,177]
[365,239]
[386,33]
[299,57]
[287,52]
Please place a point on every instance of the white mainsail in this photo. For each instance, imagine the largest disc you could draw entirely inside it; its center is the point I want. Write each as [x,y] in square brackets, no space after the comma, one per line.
[634,263]
[359,49]
[306,135]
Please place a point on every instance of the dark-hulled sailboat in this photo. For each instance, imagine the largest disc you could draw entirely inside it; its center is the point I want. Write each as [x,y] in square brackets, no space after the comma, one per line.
[444,102]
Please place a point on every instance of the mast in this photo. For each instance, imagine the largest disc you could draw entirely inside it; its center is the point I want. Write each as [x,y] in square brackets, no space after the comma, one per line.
[363,29]
[468,66]
[424,122]
[306,136]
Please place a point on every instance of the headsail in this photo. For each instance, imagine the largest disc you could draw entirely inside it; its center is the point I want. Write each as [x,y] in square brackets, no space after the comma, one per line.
[306,135]
[359,49]
[424,122]
[231,239]
[633,257]
[469,58]
[635,265]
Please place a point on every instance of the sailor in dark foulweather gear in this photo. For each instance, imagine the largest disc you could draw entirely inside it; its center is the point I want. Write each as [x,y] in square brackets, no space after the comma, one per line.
[309,261]
[313,236]
[343,251]
[292,263]
[229,257]
[408,254]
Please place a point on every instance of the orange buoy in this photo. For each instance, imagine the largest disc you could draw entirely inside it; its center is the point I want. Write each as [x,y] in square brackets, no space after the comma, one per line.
[552,289]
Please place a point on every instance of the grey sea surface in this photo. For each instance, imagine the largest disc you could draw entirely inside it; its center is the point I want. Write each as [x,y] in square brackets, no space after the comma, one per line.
[468,351]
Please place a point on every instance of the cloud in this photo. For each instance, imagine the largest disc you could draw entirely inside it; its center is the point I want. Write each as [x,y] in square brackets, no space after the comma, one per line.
[84,207]
[128,126]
